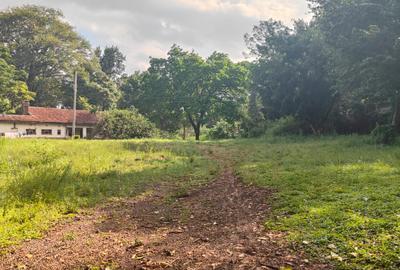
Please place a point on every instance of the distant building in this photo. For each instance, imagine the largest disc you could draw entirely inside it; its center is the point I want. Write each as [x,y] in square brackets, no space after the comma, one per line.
[40,122]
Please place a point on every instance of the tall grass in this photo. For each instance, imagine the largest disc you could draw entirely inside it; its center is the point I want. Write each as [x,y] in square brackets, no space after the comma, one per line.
[42,180]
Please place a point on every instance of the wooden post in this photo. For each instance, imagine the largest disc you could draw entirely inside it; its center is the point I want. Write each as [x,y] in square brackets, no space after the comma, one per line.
[75,93]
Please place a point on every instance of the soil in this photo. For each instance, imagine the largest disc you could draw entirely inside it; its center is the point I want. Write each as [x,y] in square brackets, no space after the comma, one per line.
[217,226]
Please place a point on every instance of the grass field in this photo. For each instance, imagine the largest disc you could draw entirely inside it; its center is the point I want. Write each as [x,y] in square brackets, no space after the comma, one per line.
[42,181]
[339,198]
[336,197]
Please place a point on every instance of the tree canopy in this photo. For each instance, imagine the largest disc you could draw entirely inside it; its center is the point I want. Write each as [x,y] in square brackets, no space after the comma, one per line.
[337,73]
[187,87]
[13,89]
[49,51]
[292,73]
[112,62]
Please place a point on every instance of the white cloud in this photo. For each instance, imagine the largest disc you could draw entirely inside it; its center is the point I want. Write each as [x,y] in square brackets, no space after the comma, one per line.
[284,10]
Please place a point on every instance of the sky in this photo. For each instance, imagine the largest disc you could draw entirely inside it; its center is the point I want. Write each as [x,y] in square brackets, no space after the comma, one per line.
[144,28]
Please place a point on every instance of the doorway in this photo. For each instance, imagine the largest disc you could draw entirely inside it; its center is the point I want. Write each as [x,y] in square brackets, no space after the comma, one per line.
[78,132]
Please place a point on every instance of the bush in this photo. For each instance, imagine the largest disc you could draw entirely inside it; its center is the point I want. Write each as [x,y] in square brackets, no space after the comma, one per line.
[252,129]
[222,130]
[249,130]
[286,126]
[124,124]
[385,134]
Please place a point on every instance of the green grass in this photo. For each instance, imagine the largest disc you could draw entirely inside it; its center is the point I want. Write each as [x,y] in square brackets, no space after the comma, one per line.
[42,181]
[336,197]
[339,198]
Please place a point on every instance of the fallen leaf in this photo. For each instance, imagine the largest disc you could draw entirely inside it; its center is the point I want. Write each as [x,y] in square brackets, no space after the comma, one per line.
[336,256]
[331,246]
[29,256]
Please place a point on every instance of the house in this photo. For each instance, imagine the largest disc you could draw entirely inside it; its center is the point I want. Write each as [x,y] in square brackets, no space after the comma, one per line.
[40,122]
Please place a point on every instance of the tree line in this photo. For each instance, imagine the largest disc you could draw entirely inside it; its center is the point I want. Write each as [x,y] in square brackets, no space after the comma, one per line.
[337,73]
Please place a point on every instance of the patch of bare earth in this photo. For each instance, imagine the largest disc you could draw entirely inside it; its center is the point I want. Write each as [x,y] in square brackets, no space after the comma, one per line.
[218,226]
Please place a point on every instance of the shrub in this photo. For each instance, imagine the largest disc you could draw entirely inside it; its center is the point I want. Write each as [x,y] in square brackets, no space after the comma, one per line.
[124,124]
[286,126]
[252,129]
[384,134]
[222,130]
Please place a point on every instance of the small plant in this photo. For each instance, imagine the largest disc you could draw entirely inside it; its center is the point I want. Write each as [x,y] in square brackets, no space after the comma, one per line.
[384,134]
[70,236]
[135,244]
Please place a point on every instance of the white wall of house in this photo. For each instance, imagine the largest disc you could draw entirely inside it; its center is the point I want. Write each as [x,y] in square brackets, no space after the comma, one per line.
[22,130]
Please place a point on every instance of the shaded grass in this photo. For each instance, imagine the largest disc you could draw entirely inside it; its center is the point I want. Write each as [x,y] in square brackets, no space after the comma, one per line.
[44,180]
[337,197]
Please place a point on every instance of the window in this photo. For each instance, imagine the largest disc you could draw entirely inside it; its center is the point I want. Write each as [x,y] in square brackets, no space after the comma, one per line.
[59,132]
[89,132]
[31,132]
[47,132]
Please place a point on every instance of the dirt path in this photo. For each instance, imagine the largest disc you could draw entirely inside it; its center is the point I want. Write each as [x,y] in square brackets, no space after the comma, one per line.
[218,226]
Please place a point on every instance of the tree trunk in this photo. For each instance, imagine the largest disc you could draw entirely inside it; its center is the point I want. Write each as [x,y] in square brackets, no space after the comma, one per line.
[315,131]
[197,132]
[196,126]
[31,78]
[184,132]
[396,114]
[323,120]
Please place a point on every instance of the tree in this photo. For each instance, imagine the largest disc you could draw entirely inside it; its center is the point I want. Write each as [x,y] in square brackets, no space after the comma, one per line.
[292,73]
[13,89]
[112,62]
[49,51]
[206,89]
[131,90]
[153,96]
[253,122]
[365,35]
[100,92]
[44,46]
[185,88]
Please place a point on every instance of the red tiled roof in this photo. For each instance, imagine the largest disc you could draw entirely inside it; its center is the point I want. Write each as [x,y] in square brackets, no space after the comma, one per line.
[52,115]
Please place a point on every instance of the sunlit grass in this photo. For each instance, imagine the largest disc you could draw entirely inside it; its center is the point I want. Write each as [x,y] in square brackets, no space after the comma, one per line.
[44,180]
[337,197]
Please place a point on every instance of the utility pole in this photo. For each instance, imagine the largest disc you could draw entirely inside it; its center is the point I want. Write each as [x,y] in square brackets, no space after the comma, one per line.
[75,93]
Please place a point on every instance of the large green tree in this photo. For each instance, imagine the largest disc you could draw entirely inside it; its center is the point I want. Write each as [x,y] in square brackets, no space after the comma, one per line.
[292,73]
[365,35]
[95,88]
[13,89]
[186,88]
[44,46]
[204,89]
[49,51]
[150,92]
[112,62]
[131,90]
